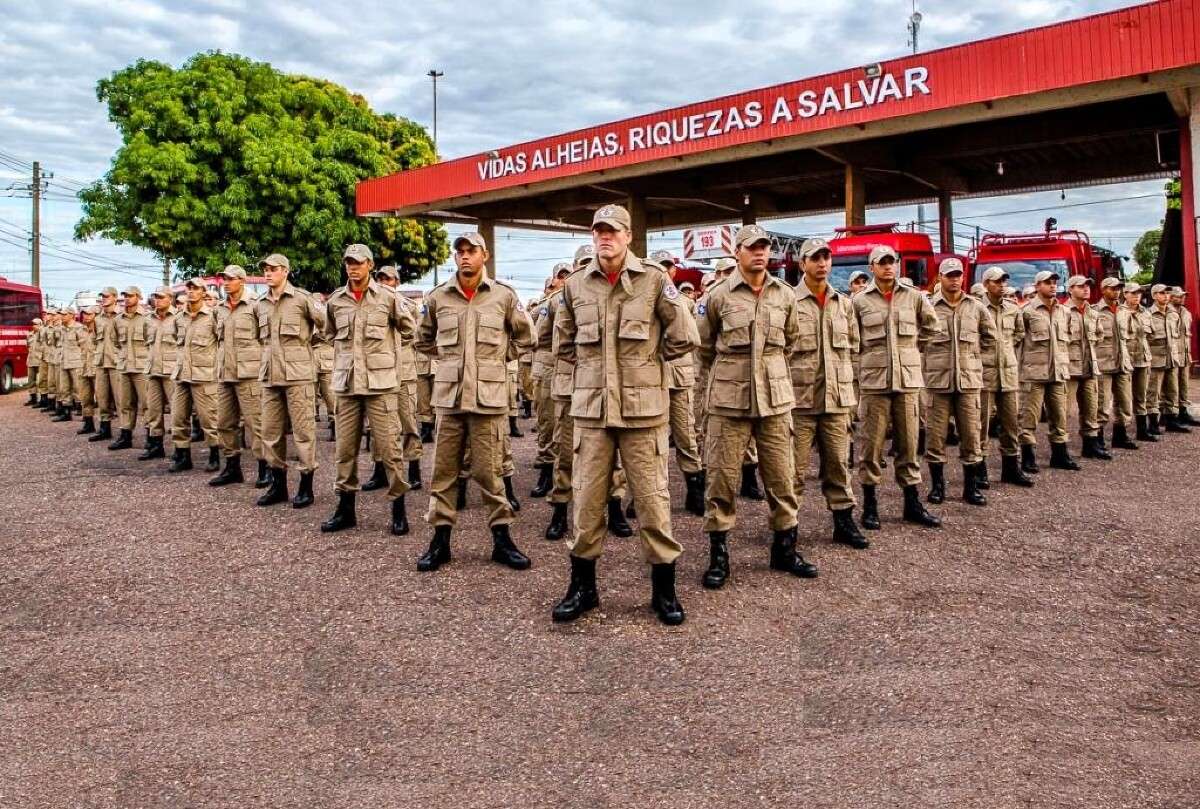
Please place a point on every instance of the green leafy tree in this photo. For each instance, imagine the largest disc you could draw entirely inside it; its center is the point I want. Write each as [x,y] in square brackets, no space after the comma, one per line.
[1145,253]
[226,160]
[1174,194]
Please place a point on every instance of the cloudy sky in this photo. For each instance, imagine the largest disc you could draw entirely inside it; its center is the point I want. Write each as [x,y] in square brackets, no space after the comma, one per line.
[514,71]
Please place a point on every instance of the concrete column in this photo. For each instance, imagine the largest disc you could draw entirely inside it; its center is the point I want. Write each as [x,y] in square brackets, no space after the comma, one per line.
[637,219]
[749,210]
[487,229]
[1189,187]
[856,197]
[945,222]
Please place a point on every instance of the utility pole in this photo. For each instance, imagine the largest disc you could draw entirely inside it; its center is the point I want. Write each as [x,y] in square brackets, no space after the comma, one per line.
[166,271]
[914,27]
[435,75]
[36,267]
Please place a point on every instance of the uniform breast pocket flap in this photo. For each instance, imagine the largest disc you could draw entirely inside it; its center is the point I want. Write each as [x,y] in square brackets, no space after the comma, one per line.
[906,325]
[447,329]
[289,330]
[874,326]
[635,322]
[490,329]
[587,323]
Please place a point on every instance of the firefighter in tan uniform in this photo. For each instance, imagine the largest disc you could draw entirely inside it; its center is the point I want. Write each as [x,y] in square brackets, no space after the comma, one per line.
[1182,403]
[1000,397]
[468,323]
[1113,382]
[682,421]
[1167,355]
[1137,345]
[104,360]
[160,366]
[895,323]
[83,341]
[33,360]
[1083,386]
[1045,369]
[239,394]
[424,408]
[366,322]
[954,378]
[543,380]
[64,397]
[323,387]
[287,317]
[133,336]
[525,369]
[748,328]
[196,335]
[51,358]
[822,378]
[619,321]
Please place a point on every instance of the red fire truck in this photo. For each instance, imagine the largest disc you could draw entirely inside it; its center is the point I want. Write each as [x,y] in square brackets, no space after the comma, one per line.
[851,247]
[19,305]
[1065,252]
[716,241]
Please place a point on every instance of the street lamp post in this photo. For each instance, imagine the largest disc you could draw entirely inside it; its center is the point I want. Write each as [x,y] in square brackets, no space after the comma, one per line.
[435,75]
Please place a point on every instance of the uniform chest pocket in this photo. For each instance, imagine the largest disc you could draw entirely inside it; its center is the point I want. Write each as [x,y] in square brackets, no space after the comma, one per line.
[490,329]
[874,327]
[735,327]
[587,323]
[376,327]
[1064,331]
[840,336]
[808,334]
[1008,324]
[943,330]
[289,331]
[776,319]
[635,322]
[968,329]
[906,324]
[447,329]
[1039,331]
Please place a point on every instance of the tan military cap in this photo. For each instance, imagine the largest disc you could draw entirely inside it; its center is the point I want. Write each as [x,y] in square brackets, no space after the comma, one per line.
[198,283]
[1045,275]
[1132,287]
[387,271]
[1009,292]
[232,271]
[358,252]
[615,216]
[1029,291]
[723,264]
[811,246]
[470,238]
[584,254]
[68,310]
[276,260]
[133,291]
[995,274]
[163,292]
[951,266]
[110,291]
[1078,281]
[879,252]
[662,257]
[750,234]
[37,321]
[1108,283]
[854,276]
[1157,288]
[1178,291]
[687,286]
[978,289]
[560,269]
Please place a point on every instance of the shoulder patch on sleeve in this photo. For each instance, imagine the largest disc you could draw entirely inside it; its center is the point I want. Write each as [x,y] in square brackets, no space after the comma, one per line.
[671,291]
[701,308]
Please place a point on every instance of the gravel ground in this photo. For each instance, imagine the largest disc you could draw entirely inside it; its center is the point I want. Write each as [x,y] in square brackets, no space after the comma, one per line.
[166,644]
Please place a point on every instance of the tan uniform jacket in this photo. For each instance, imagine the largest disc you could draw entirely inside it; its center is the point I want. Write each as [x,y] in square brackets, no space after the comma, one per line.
[745,340]
[87,343]
[470,339]
[366,335]
[133,338]
[1185,323]
[954,357]
[893,336]
[1137,339]
[618,338]
[1166,334]
[196,336]
[822,367]
[285,328]
[1112,338]
[1044,355]
[75,353]
[108,348]
[681,371]
[163,349]
[1082,336]
[421,360]
[52,351]
[406,355]
[543,327]
[1001,370]
[239,352]
[33,342]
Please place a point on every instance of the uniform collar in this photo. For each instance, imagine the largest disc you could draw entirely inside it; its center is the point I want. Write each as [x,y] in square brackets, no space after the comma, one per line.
[1037,301]
[736,279]
[937,297]
[802,291]
[896,288]
[633,264]
[373,287]
[484,283]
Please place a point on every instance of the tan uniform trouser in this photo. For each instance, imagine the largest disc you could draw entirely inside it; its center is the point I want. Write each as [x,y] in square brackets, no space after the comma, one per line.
[158,394]
[1139,383]
[1054,395]
[323,392]
[683,431]
[1116,398]
[1163,389]
[379,411]
[546,408]
[484,435]
[564,460]
[132,398]
[723,453]
[189,396]
[66,385]
[525,378]
[46,378]
[31,374]
[239,401]
[85,392]
[699,407]
[901,409]
[513,409]
[964,406]
[644,451]
[405,433]
[282,404]
[1181,386]
[425,398]
[1083,391]
[108,389]
[830,432]
[1005,405]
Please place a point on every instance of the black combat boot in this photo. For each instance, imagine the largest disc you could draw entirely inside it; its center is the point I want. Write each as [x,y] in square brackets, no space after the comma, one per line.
[460,502]
[915,511]
[154,448]
[718,561]
[971,494]
[981,475]
[1143,430]
[1100,439]
[504,550]
[557,529]
[1184,417]
[264,476]
[630,511]
[846,532]
[304,492]
[181,460]
[32,400]
[750,489]
[89,426]
[277,493]
[343,516]
[197,432]
[214,459]
[920,442]
[399,526]
[1011,471]
[62,413]
[1173,424]
[439,550]
[545,481]
[43,403]
[232,473]
[617,525]
[103,434]
[937,483]
[785,558]
[581,592]
[513,430]
[332,431]
[427,432]
[1029,463]
[870,511]
[693,503]
[1153,426]
[1060,457]
[952,435]
[1093,449]
[1121,437]
[511,495]
[414,474]
[527,409]
[662,595]
[378,479]
[124,440]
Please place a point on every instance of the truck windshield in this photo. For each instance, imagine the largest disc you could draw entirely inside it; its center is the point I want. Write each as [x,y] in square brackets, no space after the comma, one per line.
[1021,273]
[843,267]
